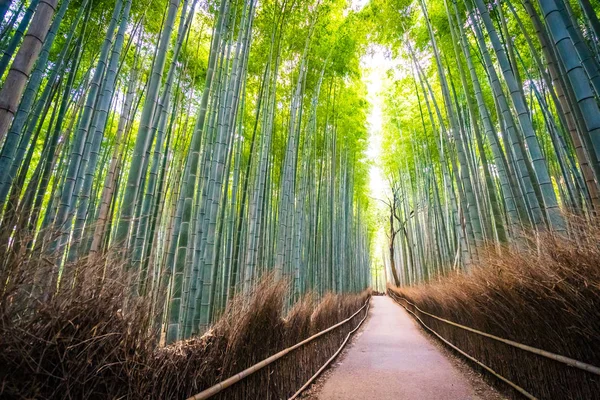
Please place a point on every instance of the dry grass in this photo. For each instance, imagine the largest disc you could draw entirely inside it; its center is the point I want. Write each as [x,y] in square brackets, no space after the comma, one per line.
[94,341]
[250,331]
[546,297]
[83,341]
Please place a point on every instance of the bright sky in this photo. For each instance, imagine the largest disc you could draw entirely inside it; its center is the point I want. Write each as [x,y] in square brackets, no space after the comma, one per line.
[358,4]
[375,65]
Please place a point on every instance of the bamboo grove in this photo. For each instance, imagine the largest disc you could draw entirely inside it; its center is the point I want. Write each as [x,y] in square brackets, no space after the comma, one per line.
[491,127]
[200,144]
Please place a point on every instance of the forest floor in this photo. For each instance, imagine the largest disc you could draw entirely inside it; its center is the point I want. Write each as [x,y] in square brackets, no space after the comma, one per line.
[392,358]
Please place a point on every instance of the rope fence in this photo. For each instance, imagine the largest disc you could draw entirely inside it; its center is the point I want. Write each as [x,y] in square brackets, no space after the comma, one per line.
[566,361]
[221,386]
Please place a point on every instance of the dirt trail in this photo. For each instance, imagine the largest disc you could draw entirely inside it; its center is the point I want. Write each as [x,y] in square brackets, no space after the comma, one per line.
[393,359]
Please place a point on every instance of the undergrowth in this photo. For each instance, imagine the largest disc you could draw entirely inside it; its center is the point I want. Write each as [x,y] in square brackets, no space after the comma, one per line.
[544,293]
[94,341]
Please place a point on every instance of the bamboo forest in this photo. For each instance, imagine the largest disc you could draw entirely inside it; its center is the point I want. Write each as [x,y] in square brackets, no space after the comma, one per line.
[208,198]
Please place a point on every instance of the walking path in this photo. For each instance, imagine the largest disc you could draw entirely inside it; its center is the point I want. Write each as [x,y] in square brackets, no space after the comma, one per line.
[392,359]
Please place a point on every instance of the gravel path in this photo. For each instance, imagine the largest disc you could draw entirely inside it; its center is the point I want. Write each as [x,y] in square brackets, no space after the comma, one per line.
[392,359]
